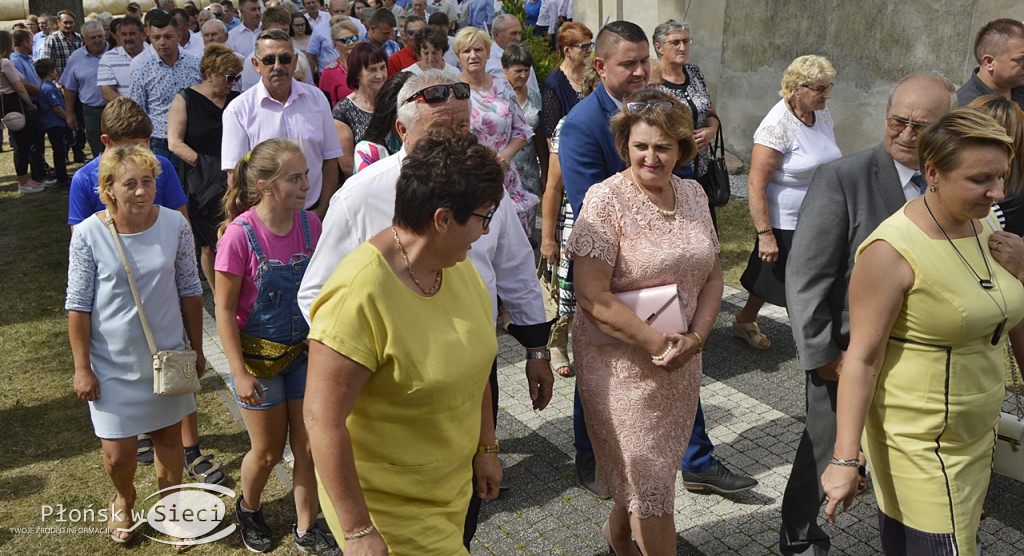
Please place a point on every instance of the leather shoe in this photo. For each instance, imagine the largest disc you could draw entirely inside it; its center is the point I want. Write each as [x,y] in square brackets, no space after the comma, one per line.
[585,465]
[719,479]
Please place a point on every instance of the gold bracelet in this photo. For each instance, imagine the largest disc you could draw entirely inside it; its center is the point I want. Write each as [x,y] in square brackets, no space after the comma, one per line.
[700,342]
[488,448]
[360,534]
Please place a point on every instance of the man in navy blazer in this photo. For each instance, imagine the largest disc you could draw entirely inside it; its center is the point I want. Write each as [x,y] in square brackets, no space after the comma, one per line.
[846,201]
[588,156]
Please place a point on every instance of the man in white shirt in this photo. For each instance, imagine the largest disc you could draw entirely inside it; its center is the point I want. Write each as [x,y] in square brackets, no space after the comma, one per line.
[242,38]
[39,38]
[506,30]
[114,73]
[315,14]
[190,42]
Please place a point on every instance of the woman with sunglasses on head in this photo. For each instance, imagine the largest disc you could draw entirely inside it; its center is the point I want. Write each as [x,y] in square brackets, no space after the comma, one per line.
[369,69]
[496,118]
[790,143]
[334,78]
[639,229]
[194,128]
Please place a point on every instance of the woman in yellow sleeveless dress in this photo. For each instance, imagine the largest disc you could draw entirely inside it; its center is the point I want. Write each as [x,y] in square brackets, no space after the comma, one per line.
[930,310]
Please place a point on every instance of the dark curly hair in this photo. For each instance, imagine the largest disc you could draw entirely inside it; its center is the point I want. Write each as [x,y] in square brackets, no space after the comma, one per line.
[447,169]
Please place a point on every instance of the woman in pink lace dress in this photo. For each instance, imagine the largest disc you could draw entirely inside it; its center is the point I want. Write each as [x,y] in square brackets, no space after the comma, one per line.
[496,119]
[640,228]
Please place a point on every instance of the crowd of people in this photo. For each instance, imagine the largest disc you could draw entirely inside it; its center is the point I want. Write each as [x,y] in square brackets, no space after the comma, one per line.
[359,187]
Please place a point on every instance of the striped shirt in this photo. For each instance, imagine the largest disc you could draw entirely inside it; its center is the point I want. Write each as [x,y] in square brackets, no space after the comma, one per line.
[115,69]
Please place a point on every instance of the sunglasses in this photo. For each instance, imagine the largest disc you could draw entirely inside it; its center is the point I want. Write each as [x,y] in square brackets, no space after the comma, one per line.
[271,59]
[232,78]
[486,217]
[347,40]
[662,105]
[217,14]
[898,124]
[441,93]
[584,46]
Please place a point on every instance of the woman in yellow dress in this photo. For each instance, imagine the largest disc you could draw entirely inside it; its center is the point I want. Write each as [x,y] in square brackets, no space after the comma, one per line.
[921,385]
[398,404]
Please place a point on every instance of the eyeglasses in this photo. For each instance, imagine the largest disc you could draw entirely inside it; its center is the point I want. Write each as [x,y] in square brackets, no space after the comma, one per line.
[819,90]
[232,78]
[441,93]
[898,124]
[347,40]
[487,217]
[638,107]
[674,43]
[271,59]
[584,46]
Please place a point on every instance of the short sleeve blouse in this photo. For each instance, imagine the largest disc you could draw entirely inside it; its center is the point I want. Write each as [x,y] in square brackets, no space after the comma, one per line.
[353,116]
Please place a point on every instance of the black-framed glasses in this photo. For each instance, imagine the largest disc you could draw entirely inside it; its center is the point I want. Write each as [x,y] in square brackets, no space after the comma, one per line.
[232,78]
[584,46]
[271,59]
[662,105]
[486,217]
[674,43]
[898,124]
[347,40]
[441,93]
[819,90]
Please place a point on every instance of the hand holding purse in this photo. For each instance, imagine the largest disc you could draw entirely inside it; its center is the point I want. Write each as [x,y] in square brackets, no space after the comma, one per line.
[662,307]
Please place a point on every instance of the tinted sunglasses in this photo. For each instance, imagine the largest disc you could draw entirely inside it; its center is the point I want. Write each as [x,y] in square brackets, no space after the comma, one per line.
[271,59]
[440,93]
[347,40]
[232,78]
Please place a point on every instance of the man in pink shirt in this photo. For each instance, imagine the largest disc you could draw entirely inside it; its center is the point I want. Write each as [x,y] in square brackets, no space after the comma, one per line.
[280,106]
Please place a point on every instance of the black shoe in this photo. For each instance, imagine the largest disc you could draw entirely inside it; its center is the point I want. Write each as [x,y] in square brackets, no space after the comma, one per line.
[719,479]
[585,465]
[144,453]
[253,529]
[316,541]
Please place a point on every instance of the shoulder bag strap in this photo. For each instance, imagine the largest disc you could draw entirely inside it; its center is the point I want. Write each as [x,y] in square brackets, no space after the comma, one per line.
[1014,381]
[131,282]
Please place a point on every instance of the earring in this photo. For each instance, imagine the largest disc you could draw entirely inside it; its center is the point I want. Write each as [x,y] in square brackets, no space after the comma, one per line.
[932,189]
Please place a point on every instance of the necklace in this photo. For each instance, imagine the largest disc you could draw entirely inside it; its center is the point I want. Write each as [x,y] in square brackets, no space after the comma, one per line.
[792,111]
[405,257]
[986,284]
[665,213]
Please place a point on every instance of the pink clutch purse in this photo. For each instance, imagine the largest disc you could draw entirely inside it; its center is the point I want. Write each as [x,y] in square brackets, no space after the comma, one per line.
[662,307]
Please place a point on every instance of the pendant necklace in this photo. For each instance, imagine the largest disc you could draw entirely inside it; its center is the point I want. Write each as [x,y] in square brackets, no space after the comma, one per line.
[665,213]
[405,257]
[986,283]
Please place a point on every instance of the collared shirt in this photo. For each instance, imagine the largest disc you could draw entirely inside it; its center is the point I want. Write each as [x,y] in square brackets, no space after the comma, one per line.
[251,77]
[322,18]
[975,87]
[910,189]
[320,45]
[366,205]
[242,40]
[115,68]
[494,67]
[548,15]
[27,70]
[156,83]
[443,6]
[389,46]
[481,14]
[305,117]
[235,22]
[80,76]
[58,48]
[49,97]
[195,45]
[37,45]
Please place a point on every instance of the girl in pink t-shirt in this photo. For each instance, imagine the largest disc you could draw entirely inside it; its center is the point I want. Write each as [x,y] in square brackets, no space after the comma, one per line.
[266,242]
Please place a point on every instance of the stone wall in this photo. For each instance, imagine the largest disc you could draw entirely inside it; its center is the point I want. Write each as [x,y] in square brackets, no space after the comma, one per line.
[744,46]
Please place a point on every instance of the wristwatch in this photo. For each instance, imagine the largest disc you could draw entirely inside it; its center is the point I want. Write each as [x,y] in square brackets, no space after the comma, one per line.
[544,354]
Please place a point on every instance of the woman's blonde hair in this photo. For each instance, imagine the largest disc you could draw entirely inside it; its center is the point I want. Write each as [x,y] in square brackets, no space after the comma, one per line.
[1011,117]
[469,35]
[114,159]
[219,59]
[263,162]
[805,70]
[942,143]
[677,123]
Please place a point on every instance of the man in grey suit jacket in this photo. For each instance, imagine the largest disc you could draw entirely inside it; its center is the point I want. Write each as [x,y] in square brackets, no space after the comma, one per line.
[846,201]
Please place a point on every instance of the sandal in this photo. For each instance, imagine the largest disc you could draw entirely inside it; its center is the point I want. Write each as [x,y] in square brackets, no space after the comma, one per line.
[749,332]
[120,521]
[862,472]
[205,469]
[144,453]
[183,545]
[560,363]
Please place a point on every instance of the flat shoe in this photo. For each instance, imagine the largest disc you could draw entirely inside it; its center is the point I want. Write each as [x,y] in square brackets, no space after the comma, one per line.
[750,333]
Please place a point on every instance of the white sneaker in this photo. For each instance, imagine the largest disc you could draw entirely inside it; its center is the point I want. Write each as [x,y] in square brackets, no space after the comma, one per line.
[27,189]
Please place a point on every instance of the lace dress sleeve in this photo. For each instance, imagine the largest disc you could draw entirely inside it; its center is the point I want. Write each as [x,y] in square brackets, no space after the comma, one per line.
[598,228]
[776,130]
[81,291]
[186,273]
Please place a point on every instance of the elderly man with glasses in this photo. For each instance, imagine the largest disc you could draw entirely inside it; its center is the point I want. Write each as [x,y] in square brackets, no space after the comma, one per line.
[503,257]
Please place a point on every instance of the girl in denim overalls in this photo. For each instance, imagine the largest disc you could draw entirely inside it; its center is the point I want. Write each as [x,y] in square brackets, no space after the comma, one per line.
[267,240]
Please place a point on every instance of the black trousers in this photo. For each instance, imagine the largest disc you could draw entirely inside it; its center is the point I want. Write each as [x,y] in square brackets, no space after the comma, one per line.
[473,515]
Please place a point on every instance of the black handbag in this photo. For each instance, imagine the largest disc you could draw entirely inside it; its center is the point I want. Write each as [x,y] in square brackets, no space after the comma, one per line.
[716,181]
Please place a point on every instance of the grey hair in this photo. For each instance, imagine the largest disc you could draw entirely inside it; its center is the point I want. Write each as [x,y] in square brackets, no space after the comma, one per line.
[271,35]
[936,77]
[216,22]
[212,4]
[661,32]
[105,16]
[409,112]
[500,22]
[90,26]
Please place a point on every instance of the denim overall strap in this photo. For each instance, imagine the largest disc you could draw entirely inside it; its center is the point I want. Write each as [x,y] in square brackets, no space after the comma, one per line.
[304,218]
[254,244]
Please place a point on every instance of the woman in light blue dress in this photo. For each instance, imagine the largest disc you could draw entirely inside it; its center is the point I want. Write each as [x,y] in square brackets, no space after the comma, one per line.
[113,364]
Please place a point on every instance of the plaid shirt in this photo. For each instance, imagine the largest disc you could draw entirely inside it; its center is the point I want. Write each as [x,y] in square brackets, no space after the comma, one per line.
[59,48]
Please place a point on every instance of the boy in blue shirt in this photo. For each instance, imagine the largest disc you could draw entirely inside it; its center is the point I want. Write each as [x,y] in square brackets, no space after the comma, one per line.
[53,117]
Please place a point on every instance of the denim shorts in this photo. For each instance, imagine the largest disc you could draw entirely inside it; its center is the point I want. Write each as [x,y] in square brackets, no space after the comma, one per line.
[290,384]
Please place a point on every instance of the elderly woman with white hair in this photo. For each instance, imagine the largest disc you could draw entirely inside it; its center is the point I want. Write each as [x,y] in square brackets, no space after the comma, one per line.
[792,141]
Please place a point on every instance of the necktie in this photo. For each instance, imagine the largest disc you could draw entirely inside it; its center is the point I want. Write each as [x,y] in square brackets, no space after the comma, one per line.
[920,182]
